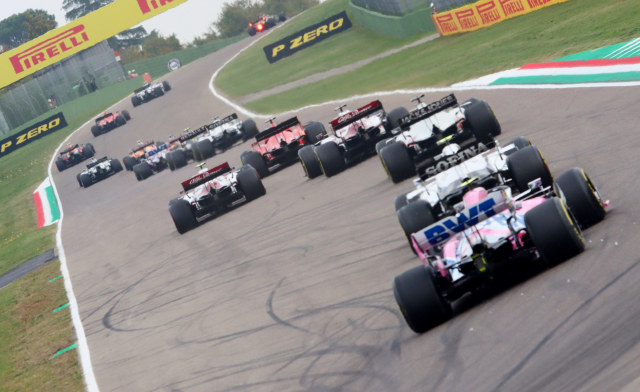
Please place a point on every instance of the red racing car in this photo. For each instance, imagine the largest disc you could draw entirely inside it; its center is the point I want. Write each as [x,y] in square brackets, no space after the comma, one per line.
[109,121]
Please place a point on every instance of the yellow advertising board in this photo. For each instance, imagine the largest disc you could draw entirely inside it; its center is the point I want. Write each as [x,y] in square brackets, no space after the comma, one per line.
[78,35]
[485,13]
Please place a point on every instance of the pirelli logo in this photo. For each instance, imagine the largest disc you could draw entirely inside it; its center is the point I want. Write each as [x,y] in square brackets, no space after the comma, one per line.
[147,6]
[50,48]
[34,132]
[307,37]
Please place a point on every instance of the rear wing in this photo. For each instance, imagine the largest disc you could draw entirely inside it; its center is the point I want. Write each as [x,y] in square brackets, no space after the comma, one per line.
[222,121]
[283,126]
[428,110]
[103,116]
[144,87]
[440,231]
[202,178]
[139,148]
[191,134]
[355,115]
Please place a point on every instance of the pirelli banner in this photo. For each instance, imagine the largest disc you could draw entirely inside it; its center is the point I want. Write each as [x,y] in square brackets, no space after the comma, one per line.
[307,37]
[78,35]
[31,133]
[485,13]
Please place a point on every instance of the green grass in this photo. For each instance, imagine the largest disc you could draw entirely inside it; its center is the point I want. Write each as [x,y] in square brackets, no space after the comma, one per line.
[544,35]
[30,334]
[354,44]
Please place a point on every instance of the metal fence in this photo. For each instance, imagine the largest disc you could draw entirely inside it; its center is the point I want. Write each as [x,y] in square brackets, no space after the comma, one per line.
[59,83]
[403,7]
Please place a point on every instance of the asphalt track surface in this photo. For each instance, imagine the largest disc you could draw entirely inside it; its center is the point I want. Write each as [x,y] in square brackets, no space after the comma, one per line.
[292,292]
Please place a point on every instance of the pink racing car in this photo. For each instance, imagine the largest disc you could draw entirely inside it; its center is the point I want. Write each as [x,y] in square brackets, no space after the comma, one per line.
[493,232]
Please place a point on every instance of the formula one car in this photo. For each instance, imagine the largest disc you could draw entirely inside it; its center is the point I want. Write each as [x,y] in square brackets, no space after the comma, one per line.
[137,154]
[355,134]
[426,130]
[213,191]
[278,146]
[493,232]
[98,170]
[220,135]
[156,160]
[73,154]
[109,121]
[265,22]
[149,91]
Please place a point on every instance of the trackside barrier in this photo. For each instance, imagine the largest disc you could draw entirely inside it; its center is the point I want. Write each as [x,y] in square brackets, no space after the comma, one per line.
[416,22]
[485,13]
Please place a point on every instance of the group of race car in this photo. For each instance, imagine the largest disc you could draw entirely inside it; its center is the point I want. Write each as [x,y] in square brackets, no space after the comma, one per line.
[478,210]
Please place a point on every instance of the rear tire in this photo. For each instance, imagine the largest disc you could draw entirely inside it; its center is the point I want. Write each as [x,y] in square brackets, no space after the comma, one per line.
[554,233]
[60,164]
[129,162]
[249,129]
[166,86]
[400,201]
[85,180]
[420,300]
[179,158]
[330,158]
[397,162]
[126,115]
[250,183]
[205,147]
[120,120]
[309,162]
[482,121]
[415,216]
[251,31]
[88,151]
[582,197]
[182,215]
[116,165]
[394,116]
[315,131]
[95,130]
[142,171]
[135,101]
[254,159]
[526,165]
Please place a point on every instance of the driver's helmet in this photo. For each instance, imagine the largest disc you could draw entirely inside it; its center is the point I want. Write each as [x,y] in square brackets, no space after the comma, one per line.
[474,196]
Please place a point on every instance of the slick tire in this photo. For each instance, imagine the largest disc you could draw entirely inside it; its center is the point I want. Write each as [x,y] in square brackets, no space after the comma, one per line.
[394,116]
[309,162]
[182,215]
[581,196]
[397,162]
[415,216]
[249,129]
[315,131]
[254,159]
[526,165]
[330,158]
[129,162]
[142,171]
[250,184]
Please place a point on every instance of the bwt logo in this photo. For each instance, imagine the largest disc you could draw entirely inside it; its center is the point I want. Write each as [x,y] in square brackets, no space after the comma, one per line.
[442,230]
[147,5]
[49,49]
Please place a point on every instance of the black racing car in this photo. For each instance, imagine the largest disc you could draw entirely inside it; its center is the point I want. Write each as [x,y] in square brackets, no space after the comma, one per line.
[98,170]
[74,154]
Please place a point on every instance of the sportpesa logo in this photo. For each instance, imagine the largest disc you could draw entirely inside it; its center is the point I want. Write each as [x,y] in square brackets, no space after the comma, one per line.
[50,48]
[307,37]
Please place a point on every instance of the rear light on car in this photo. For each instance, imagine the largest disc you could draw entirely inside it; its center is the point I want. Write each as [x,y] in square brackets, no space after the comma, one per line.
[250,24]
[259,27]
[268,156]
[302,141]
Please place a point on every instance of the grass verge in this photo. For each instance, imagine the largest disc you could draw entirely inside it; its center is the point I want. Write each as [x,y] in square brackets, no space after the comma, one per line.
[543,35]
[31,334]
[354,44]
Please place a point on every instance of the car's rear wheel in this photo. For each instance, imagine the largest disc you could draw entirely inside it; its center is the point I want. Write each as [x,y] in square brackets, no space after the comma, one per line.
[582,197]
[482,121]
[249,129]
[415,216]
[526,165]
[394,116]
[85,180]
[553,231]
[182,215]
[135,101]
[254,159]
[251,31]
[315,131]
[282,17]
[206,149]
[400,201]
[60,164]
[126,115]
[116,165]
[88,151]
[330,158]
[129,162]
[166,86]
[397,162]
[142,171]
[420,300]
[520,142]
[250,183]
[179,158]
[95,130]
[120,120]
[309,162]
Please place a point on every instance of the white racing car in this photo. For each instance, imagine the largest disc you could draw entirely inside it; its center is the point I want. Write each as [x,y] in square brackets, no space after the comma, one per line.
[149,91]
[214,191]
[425,131]
[98,170]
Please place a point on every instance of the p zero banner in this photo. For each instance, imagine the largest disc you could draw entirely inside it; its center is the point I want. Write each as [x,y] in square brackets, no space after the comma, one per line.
[485,13]
[34,132]
[307,37]
[78,35]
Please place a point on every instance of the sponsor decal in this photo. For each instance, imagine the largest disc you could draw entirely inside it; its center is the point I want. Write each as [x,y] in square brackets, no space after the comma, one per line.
[467,19]
[354,115]
[441,231]
[206,176]
[533,4]
[307,37]
[447,24]
[49,49]
[512,7]
[147,6]
[428,110]
[34,132]
[488,12]
[450,161]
